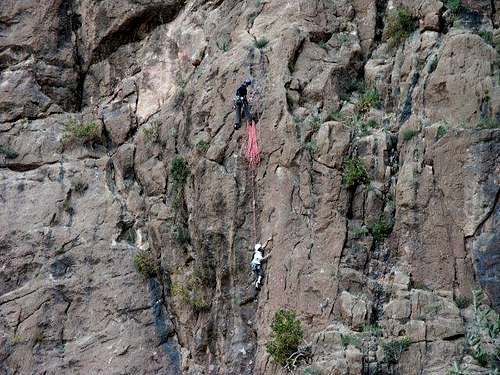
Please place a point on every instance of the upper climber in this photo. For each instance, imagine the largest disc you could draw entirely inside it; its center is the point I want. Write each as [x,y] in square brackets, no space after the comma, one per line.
[241,103]
[257,260]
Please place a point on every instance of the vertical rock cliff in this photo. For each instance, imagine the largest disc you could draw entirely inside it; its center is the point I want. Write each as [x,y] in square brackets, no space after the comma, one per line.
[378,123]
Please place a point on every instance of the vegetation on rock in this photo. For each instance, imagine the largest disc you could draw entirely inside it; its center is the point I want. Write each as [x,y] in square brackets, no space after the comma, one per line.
[80,133]
[354,173]
[399,25]
[146,264]
[286,336]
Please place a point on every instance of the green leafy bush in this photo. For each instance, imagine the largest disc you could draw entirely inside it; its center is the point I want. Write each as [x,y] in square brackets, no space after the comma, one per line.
[454,5]
[8,152]
[393,349]
[202,146]
[77,133]
[408,134]
[462,302]
[487,37]
[179,171]
[151,133]
[182,235]
[372,330]
[286,336]
[488,123]
[354,173]
[441,131]
[347,340]
[191,293]
[145,264]
[335,116]
[398,26]
[370,98]
[364,127]
[261,43]
[381,229]
[311,146]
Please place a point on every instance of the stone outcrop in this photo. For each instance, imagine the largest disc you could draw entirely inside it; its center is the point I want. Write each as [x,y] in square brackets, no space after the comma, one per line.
[378,271]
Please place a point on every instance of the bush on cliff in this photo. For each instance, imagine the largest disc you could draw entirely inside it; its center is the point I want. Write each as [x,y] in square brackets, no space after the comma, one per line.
[286,336]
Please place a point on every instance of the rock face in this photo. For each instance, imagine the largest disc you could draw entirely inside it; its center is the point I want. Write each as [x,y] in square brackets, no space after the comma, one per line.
[372,261]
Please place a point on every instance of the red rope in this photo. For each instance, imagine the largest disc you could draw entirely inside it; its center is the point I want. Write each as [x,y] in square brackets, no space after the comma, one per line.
[253,158]
[253,152]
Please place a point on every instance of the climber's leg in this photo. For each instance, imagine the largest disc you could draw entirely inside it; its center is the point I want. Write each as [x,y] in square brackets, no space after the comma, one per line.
[237,124]
[246,111]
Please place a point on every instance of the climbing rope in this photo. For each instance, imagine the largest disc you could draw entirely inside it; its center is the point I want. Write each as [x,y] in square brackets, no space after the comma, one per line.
[253,158]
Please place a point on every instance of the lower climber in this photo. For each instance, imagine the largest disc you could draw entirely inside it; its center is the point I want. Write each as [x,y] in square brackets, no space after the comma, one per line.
[241,104]
[257,260]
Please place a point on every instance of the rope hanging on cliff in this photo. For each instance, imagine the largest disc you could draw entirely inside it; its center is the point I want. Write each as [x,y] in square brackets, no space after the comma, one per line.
[253,158]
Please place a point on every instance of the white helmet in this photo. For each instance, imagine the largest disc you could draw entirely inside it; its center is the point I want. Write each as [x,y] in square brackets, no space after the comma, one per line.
[258,247]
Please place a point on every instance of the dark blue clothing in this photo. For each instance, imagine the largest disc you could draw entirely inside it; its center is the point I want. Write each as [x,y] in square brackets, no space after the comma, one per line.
[242,91]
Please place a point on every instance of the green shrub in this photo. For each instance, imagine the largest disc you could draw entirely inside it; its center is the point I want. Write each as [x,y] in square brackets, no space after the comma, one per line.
[370,98]
[364,127]
[354,173]
[487,37]
[441,131]
[145,264]
[191,294]
[381,229]
[323,45]
[408,134]
[311,146]
[261,43]
[454,5]
[335,116]
[456,369]
[202,146]
[393,349]
[314,122]
[347,340]
[399,25]
[77,133]
[462,302]
[179,171]
[182,235]
[483,333]
[286,336]
[419,285]
[151,133]
[8,152]
[359,232]
[373,330]
[488,123]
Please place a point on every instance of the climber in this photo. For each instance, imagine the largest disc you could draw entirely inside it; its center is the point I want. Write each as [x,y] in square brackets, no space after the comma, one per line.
[257,260]
[241,103]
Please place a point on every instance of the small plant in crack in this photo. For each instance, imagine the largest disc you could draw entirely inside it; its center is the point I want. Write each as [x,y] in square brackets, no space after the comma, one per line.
[80,133]
[441,131]
[8,152]
[354,173]
[152,133]
[394,348]
[399,24]
[381,229]
[311,146]
[454,5]
[370,98]
[261,42]
[408,134]
[202,146]
[347,340]
[146,264]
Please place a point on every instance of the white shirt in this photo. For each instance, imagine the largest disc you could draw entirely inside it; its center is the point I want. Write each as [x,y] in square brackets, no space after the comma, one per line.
[257,257]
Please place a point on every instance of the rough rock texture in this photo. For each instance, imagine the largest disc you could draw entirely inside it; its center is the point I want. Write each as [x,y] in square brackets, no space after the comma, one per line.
[397,250]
